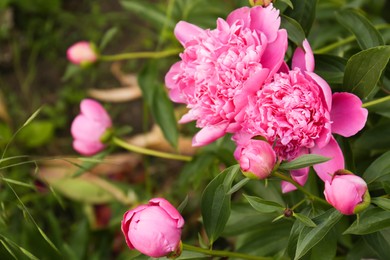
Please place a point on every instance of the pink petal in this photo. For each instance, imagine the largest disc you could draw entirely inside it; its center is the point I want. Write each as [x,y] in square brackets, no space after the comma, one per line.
[266,20]
[185,32]
[327,169]
[303,58]
[209,134]
[87,148]
[87,130]
[273,56]
[347,114]
[171,210]
[326,90]
[175,93]
[299,176]
[242,14]
[325,134]
[95,111]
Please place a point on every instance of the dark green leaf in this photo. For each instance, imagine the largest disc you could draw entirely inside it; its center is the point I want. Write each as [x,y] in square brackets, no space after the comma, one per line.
[379,242]
[379,168]
[304,13]
[294,29]
[264,206]
[377,137]
[303,161]
[215,204]
[331,68]
[158,102]
[304,219]
[327,248]
[366,34]
[370,221]
[309,237]
[383,203]
[364,69]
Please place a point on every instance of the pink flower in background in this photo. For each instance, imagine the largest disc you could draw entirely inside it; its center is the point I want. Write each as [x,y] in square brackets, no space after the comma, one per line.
[81,53]
[256,158]
[346,192]
[89,126]
[153,229]
[220,68]
[297,113]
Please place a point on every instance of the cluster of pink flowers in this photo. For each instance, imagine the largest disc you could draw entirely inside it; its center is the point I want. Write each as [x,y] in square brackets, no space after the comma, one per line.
[233,79]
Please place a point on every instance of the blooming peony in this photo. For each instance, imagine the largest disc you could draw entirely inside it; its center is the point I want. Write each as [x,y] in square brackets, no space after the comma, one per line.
[219,68]
[89,126]
[297,113]
[153,229]
[81,53]
[346,192]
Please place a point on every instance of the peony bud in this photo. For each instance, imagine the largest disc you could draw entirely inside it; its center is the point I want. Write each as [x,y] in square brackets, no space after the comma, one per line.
[256,158]
[264,3]
[89,127]
[154,229]
[347,192]
[82,53]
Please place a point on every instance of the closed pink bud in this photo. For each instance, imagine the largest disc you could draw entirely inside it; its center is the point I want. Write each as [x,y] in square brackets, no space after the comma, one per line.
[347,192]
[82,53]
[257,158]
[154,229]
[89,127]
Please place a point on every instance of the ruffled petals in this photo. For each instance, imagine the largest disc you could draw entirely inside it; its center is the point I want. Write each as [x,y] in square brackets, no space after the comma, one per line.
[209,134]
[303,58]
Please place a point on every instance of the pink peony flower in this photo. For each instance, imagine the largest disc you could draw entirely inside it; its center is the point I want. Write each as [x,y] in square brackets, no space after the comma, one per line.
[256,157]
[346,192]
[153,229]
[219,67]
[89,126]
[297,113]
[81,53]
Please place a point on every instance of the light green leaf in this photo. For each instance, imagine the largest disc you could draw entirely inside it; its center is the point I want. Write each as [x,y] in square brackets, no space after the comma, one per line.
[264,206]
[215,204]
[370,221]
[304,219]
[107,37]
[36,133]
[364,69]
[366,34]
[303,161]
[383,203]
[309,237]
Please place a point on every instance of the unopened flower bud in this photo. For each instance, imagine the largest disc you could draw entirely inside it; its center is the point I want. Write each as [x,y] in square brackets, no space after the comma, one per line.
[256,158]
[347,192]
[154,229]
[264,3]
[82,53]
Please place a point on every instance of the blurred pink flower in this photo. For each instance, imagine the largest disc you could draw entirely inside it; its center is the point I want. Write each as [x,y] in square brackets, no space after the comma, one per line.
[89,126]
[220,68]
[256,158]
[81,53]
[297,113]
[346,192]
[153,229]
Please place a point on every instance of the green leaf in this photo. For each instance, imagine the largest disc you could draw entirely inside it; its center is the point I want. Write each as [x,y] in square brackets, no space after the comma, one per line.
[37,133]
[331,68]
[383,203]
[379,242]
[303,161]
[378,169]
[215,204]
[294,29]
[107,37]
[158,102]
[264,206]
[364,69]
[304,219]
[366,34]
[370,221]
[304,13]
[377,137]
[327,249]
[309,237]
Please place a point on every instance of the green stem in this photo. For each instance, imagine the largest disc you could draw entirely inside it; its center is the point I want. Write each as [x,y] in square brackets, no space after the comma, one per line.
[299,187]
[376,101]
[141,55]
[150,152]
[223,253]
[346,40]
